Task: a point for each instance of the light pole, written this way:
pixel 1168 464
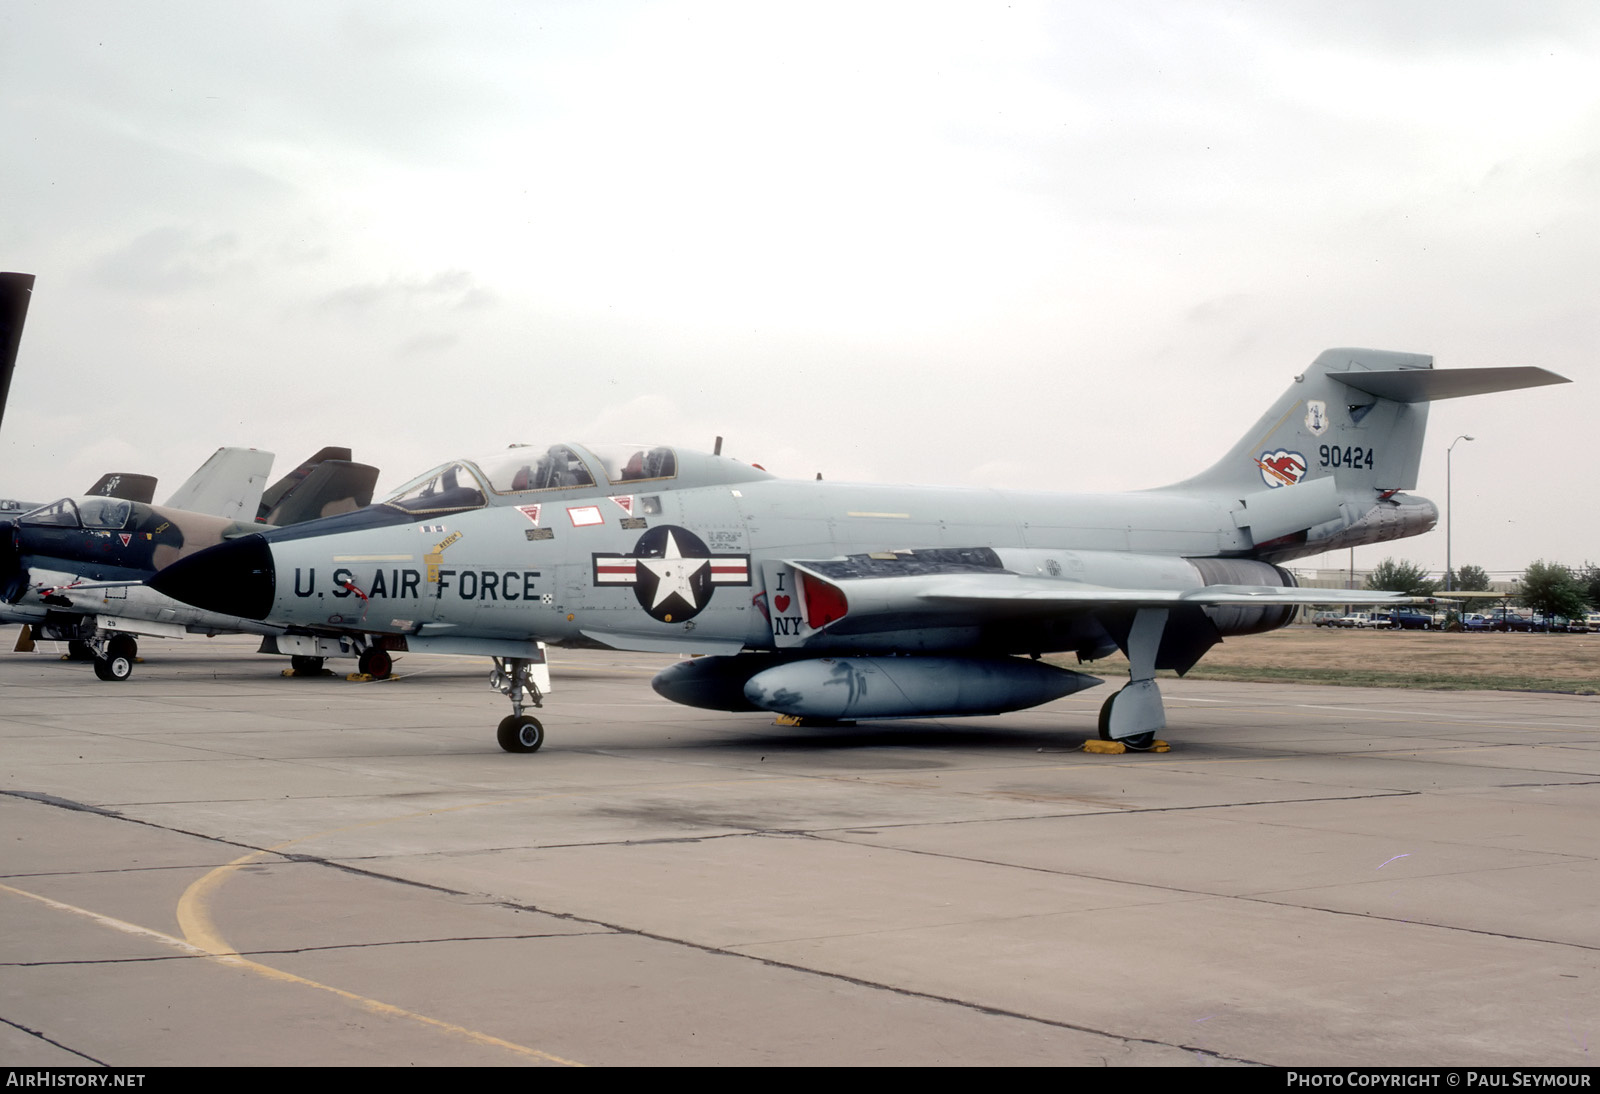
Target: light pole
pixel 1449 512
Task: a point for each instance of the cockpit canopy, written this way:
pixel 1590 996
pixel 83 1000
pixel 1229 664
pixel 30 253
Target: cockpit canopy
pixel 524 469
pixel 103 514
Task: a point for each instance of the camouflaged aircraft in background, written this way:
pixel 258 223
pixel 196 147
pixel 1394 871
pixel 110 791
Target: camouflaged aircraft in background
pixel 838 601
pixel 71 570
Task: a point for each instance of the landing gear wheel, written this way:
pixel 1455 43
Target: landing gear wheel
pixel 113 667
pixel 305 666
pixel 79 650
pixel 1105 717
pixel 122 645
pixel 520 733
pixel 376 663
pixel 1138 742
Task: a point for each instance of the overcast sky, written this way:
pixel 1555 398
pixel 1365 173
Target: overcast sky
pixel 1061 245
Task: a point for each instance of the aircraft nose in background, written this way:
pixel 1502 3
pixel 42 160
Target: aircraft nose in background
pixel 233 578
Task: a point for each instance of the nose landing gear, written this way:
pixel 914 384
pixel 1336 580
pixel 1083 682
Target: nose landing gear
pixel 115 656
pixel 512 677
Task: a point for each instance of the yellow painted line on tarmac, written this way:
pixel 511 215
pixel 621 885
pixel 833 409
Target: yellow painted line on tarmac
pixel 202 936
pixel 200 933
pixel 108 921
pixel 206 942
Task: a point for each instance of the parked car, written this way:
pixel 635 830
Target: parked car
pixel 1411 620
pixel 1325 619
pixel 1510 619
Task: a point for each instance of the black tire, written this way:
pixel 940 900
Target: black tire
pixel 123 645
pixel 520 733
pixel 1139 742
pixel 113 668
pixel 376 663
pixel 1105 716
pixel 305 666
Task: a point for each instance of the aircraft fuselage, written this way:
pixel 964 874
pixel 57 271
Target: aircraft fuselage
pixel 708 568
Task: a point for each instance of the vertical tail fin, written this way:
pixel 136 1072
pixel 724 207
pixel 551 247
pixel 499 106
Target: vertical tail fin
pixel 274 494
pixel 229 484
pixel 331 487
pixel 1357 416
pixel 126 485
pixel 1322 427
pixel 1322 469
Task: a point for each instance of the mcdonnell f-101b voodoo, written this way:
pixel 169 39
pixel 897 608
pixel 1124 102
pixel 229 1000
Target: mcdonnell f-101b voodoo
pixel 835 601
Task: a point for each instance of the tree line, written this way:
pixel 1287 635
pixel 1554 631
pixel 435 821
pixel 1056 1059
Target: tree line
pixel 1547 587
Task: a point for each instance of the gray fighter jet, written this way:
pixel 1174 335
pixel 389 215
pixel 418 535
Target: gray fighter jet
pixel 835 602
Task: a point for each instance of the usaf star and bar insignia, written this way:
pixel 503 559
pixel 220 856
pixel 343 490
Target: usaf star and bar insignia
pixel 672 572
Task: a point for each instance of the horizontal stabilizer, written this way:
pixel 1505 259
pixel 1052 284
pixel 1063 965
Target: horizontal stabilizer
pixel 1411 385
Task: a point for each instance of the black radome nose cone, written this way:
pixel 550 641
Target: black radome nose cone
pixel 233 578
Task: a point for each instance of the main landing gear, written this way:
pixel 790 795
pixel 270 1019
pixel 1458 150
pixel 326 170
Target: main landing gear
pixel 376 663
pixel 518 732
pixel 114 657
pixel 1131 716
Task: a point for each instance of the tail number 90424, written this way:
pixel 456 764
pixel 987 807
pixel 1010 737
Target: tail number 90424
pixel 1334 456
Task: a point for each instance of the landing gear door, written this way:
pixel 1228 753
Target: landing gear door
pixel 785 605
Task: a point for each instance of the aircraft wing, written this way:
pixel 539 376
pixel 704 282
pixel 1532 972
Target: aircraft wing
pixel 975 588
pixel 861 604
pixel 1045 590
